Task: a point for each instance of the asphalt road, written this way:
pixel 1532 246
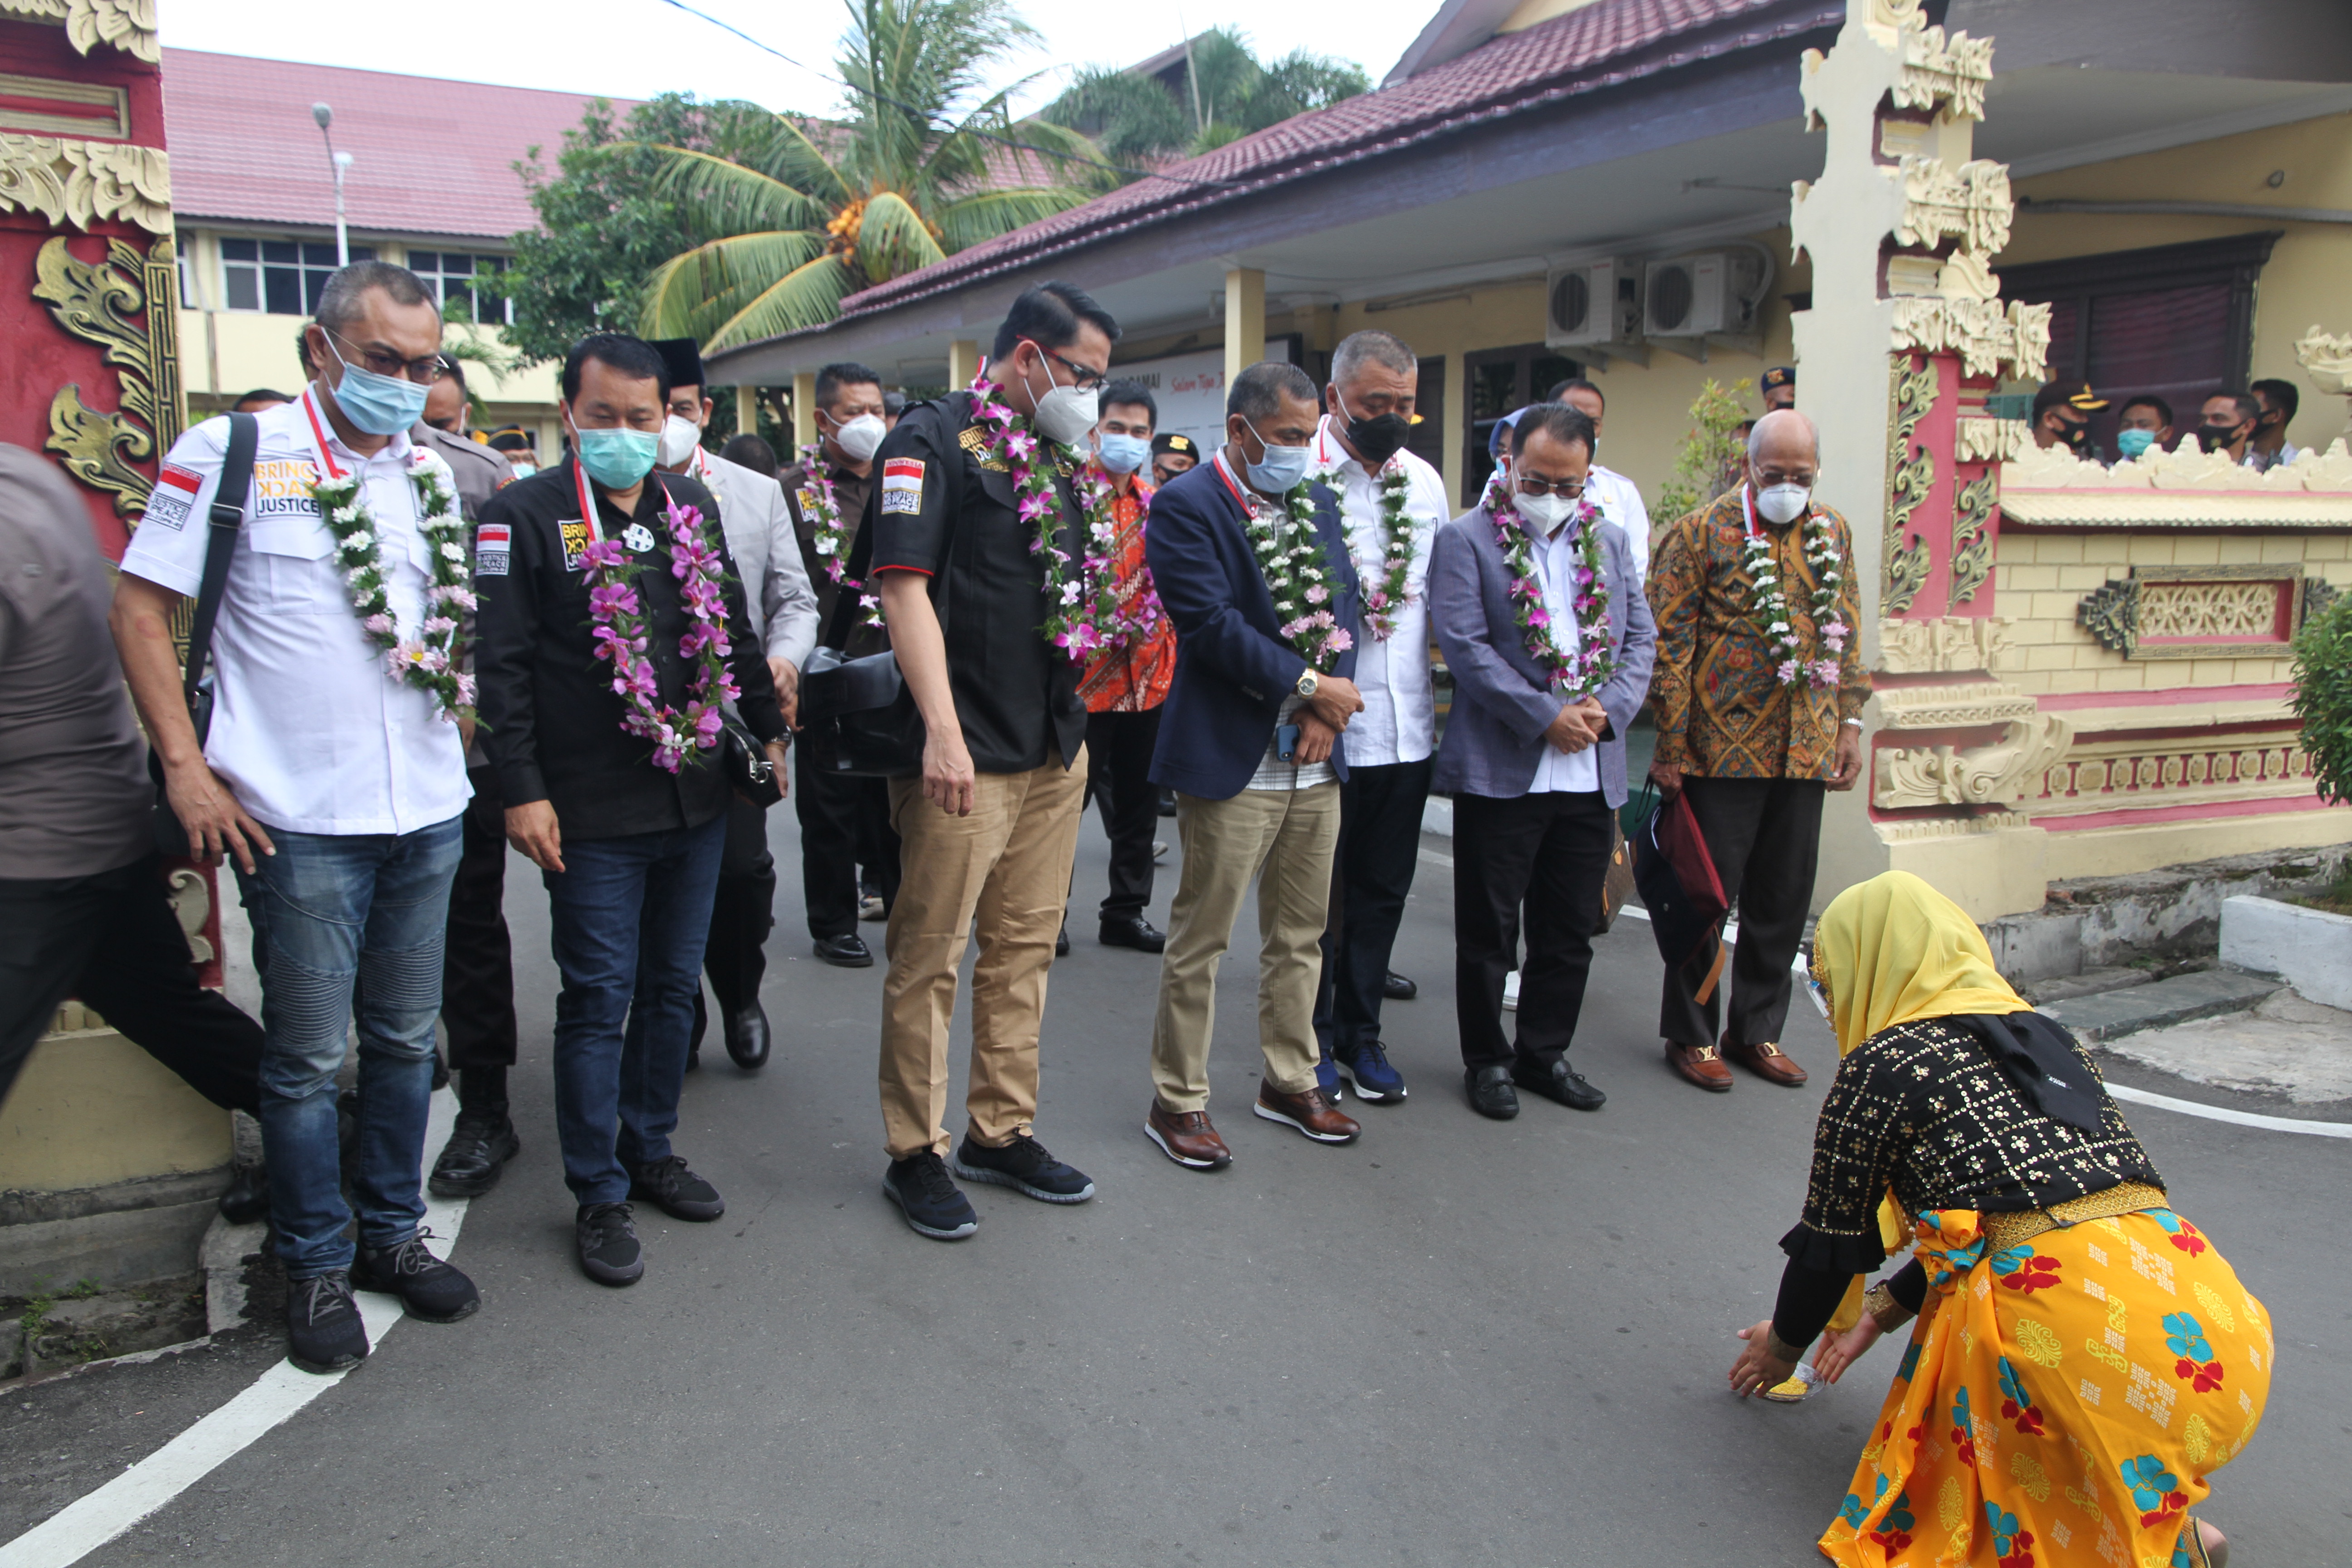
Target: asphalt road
pixel 1457 1342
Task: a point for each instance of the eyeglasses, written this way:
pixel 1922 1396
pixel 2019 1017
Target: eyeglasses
pixel 1082 376
pixel 1567 490
pixel 424 371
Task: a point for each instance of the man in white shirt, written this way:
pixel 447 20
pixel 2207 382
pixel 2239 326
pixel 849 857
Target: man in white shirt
pixel 333 771
pixel 1619 498
pixel 758 530
pixel 1391 504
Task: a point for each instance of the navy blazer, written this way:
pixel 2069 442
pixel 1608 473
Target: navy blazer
pixel 1232 668
pixel 1502 703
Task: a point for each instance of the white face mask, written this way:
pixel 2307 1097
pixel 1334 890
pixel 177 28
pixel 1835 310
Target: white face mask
pixel 860 439
pixel 523 470
pixel 1547 511
pixel 679 437
pixel 1065 414
pixel 1783 503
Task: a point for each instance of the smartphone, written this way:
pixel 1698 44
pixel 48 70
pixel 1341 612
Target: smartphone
pixel 1286 742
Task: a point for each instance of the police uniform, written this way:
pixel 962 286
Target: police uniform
pixel 944 507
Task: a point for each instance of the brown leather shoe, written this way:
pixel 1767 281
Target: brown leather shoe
pixel 1309 1111
pixel 1186 1137
pixel 1702 1065
pixel 1766 1061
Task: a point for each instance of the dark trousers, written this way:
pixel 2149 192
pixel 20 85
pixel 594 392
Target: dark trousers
pixel 843 821
pixel 1548 854
pixel 1765 837
pixel 1372 877
pixel 1119 764
pixel 478 1006
pixel 744 910
pixel 112 941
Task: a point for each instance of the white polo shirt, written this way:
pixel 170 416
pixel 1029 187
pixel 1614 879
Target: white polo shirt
pixel 309 728
pixel 1620 500
pixel 1399 724
pixel 1555 559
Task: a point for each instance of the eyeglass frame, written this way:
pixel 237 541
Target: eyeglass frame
pixel 1085 378
pixel 404 369
pixel 1519 483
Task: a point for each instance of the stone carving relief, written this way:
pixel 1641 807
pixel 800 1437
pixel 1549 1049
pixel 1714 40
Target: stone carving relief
pixel 1971 204
pixel 1972 776
pixel 2245 611
pixel 1953 707
pixel 1912 829
pixel 1972 537
pixel 68 181
pixel 2232 612
pixel 94 301
pixel 191 905
pixel 1984 440
pixel 126 24
pixel 2108 775
pixel 1911 474
pixel 1944 643
pixel 1994 340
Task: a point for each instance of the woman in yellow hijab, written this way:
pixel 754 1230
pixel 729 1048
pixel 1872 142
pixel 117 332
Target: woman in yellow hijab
pixel 2083 1357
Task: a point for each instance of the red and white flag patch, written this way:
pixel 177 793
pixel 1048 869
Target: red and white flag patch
pixel 902 484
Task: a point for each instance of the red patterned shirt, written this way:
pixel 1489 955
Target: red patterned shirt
pixel 1133 679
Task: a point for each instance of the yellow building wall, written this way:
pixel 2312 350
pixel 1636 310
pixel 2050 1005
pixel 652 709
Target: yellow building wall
pixel 91 1109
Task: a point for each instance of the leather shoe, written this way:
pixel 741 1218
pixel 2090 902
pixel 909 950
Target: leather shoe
pixel 1555 1079
pixel 747 1035
pixel 846 952
pixel 1702 1065
pixel 1491 1093
pixel 1135 932
pixel 1398 987
pixel 1310 1111
pixel 1062 942
pixel 1766 1061
pixel 246 1199
pixel 1186 1137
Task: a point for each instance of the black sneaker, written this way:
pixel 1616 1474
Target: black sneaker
pixel 323 1332
pixel 606 1238
pixel 677 1192
pixel 1025 1166
pixel 920 1188
pixel 479 1146
pixel 428 1287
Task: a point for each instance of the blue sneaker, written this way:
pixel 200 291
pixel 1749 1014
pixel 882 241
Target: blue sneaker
pixel 1327 1078
pixel 1367 1067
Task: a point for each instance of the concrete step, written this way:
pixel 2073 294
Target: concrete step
pixel 2090 983
pixel 2206 993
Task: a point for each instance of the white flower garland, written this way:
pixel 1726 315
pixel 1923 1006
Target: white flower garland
pixel 427 660
pixel 1387 594
pixel 1820 543
pixel 1290 558
pixel 830 534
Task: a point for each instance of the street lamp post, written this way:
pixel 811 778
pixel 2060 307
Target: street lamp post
pixel 325 116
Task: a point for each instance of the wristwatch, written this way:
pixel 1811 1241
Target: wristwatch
pixel 1307 683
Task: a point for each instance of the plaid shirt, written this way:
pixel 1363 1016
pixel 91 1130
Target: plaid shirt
pixel 1136 678
pixel 1721 710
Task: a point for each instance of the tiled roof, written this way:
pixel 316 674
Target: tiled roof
pixel 428 156
pixel 1601 45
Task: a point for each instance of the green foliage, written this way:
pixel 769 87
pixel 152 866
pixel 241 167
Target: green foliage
pixel 1227 94
pixel 1710 455
pixel 2322 698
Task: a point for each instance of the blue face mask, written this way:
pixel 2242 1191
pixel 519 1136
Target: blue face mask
pixel 2132 443
pixel 1279 471
pixel 379 405
pixel 617 459
pixel 1124 454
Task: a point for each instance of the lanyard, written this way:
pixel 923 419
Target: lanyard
pixel 1747 505
pixel 587 502
pixel 327 464
pixel 1226 474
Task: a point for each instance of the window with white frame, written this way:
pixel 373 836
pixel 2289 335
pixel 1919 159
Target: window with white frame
pixel 450 274
pixel 280 277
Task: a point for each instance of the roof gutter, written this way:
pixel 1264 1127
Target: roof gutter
pixel 2256 210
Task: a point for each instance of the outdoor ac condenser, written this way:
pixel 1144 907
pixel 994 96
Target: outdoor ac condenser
pixel 1594 304
pixel 1717 292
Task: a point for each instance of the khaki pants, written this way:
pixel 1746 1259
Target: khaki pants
pixel 1007 863
pixel 1289 835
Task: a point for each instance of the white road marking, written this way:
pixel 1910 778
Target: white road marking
pixel 91 1521
pixel 2190 1108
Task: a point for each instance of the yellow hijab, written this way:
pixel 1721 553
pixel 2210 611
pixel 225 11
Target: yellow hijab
pixel 1892 949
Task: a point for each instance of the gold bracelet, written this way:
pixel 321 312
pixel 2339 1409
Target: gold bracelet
pixel 1884 1310
pixel 1779 1349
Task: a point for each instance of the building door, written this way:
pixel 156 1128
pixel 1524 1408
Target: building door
pixel 1494 382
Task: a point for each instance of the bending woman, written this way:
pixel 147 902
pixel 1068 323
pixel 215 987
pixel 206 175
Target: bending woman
pixel 2084 1358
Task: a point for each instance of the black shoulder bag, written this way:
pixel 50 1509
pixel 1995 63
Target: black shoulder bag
pixel 226 516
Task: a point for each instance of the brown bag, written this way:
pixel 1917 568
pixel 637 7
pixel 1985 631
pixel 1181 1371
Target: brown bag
pixel 1617 883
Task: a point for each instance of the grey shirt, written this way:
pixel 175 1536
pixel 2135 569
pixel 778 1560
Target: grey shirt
pixel 480 474
pixel 74 798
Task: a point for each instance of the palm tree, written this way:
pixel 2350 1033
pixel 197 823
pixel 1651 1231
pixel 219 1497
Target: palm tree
pixel 924 163
pixel 1226 95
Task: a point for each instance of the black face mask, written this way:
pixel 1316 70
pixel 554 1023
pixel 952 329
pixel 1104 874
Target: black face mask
pixel 2213 437
pixel 1378 440
pixel 2074 435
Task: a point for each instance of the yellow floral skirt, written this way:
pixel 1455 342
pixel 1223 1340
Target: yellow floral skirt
pixel 2060 1402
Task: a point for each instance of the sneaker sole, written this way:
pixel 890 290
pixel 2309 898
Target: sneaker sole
pixel 920 1228
pixel 328 1368
pixel 696 1214
pixel 604 1273
pixel 865 962
pixel 1303 1131
pixel 1153 1133
pixel 1369 1096
pixel 987 1177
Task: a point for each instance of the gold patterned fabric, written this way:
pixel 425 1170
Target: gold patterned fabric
pixel 1721 711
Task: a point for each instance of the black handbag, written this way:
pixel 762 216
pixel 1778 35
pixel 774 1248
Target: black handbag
pixel 859 717
pixel 227 515
pixel 743 762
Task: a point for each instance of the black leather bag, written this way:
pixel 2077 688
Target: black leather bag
pixel 858 718
pixel 743 762
pixel 227 515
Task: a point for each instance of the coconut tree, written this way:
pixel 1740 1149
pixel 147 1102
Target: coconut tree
pixel 924 162
pixel 1225 95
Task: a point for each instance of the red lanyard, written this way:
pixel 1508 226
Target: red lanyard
pixel 319 435
pixel 1226 474
pixel 587 502
pixel 1748 504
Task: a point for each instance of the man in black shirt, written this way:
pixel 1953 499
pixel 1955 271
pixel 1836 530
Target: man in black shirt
pixel 990 826
pixel 626 833
pixel 843 821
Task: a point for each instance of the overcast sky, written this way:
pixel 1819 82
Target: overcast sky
pixel 636 48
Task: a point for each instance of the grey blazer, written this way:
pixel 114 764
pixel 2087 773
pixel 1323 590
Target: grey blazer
pixel 1494 737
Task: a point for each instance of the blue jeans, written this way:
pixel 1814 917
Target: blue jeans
pixel 345 913
pixel 630 918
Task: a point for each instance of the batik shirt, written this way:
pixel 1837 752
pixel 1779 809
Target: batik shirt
pixel 1133 679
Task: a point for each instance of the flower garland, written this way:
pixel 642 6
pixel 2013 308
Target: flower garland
pixel 1082 616
pixel 1819 543
pixel 1290 559
pixel 618 614
pixel 428 660
pixel 1578 675
pixel 1139 619
pixel 1387 599
pixel 831 538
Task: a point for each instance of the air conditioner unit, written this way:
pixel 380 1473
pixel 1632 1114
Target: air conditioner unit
pixel 1596 304
pixel 1717 292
